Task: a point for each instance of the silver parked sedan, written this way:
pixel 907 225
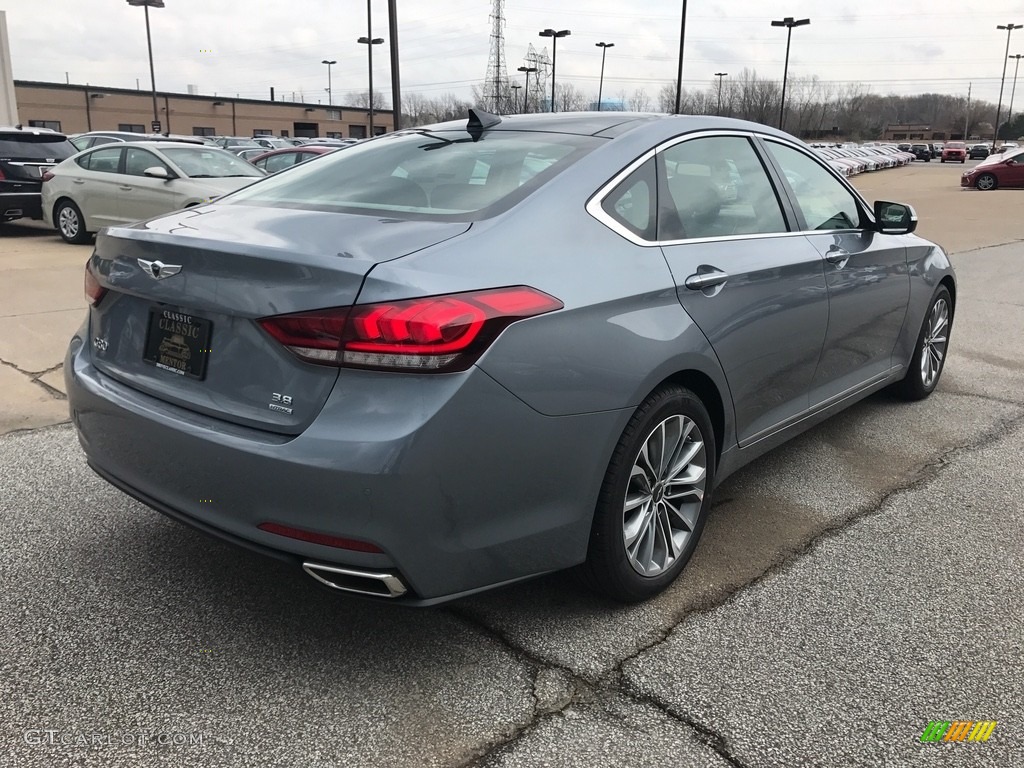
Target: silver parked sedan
pixel 125 182
pixel 456 357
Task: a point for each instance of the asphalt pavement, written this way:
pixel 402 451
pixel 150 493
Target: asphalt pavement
pixel 852 586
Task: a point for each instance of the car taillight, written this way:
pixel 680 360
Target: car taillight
pixel 2 177
pixel 93 290
pixel 47 175
pixel 433 334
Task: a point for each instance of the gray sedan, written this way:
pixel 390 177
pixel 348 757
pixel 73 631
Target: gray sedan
pixel 460 356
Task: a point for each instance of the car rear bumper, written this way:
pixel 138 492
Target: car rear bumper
pixel 18 205
pixel 460 483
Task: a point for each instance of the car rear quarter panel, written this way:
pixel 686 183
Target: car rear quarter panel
pixel 622 330
pixel 928 265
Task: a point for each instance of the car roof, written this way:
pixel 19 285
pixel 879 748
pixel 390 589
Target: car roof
pixel 315 148
pixel 610 124
pixel 145 136
pixel 159 145
pixel 17 130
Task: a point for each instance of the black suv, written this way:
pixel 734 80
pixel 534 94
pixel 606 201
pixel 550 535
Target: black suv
pixel 25 154
pixel 922 152
pixel 978 152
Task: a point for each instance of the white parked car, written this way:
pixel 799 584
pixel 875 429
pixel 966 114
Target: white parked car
pixel 121 183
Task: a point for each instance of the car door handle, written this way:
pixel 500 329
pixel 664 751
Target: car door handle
pixel 702 280
pixel 836 255
pixel 78 181
pixel 125 188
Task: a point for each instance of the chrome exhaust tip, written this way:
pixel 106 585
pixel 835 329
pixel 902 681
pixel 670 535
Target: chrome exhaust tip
pixel 360 582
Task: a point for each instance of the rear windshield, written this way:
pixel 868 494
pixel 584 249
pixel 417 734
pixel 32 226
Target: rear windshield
pixel 32 147
pixel 443 174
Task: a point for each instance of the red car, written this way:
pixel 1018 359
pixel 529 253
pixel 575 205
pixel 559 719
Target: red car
pixel 278 159
pixel 954 150
pixel 996 171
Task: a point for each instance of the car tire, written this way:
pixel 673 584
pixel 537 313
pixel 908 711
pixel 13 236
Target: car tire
pixel 70 223
pixel 985 182
pixel 963 161
pixel 942 160
pixel 630 557
pixel 931 349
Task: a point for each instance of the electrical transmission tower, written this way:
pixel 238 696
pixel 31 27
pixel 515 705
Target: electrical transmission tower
pixel 537 91
pixel 496 86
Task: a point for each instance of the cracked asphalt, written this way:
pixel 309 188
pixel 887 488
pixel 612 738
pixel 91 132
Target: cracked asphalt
pixel 850 587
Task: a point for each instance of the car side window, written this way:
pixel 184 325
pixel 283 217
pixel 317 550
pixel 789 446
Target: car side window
pixel 632 202
pixel 105 160
pixel 715 187
pixel 276 163
pixel 137 160
pixel 825 203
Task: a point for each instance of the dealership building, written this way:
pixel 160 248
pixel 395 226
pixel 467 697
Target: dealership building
pixel 71 108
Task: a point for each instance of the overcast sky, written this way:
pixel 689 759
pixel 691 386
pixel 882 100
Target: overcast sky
pixel 223 47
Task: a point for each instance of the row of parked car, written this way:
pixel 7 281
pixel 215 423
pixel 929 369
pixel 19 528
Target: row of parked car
pixel 850 160
pixel 955 151
pixel 82 183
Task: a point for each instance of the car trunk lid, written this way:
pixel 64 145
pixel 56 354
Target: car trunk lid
pixel 184 291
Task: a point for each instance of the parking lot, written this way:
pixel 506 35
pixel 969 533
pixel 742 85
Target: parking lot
pixel 852 586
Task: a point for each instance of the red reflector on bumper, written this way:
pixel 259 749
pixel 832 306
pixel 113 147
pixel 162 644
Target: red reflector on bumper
pixel 320 538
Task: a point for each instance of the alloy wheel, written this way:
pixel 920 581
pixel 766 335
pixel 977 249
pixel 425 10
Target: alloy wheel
pixel 935 342
pixel 664 495
pixel 68 222
pixel 986 181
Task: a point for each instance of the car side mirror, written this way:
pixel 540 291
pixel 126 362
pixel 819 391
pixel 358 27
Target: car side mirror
pixel 1011 161
pixel 157 172
pixel 894 218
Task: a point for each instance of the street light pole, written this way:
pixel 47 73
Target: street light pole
pixel 369 41
pixel 330 92
pixel 999 107
pixel 720 75
pixel 600 88
pixel 396 86
pixel 679 75
pixel 1013 90
pixel 146 5
pixel 515 95
pixel 526 90
pixel 554 54
pixel 789 22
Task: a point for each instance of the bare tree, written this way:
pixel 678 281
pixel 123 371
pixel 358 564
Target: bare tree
pixel 814 108
pixel 640 101
pixel 569 98
pixel 361 99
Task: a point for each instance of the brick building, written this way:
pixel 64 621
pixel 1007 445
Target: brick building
pixel 77 108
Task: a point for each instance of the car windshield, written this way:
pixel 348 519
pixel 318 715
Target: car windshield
pixel 36 147
pixel 206 162
pixel 955 145
pixel 423 174
pixel 242 143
